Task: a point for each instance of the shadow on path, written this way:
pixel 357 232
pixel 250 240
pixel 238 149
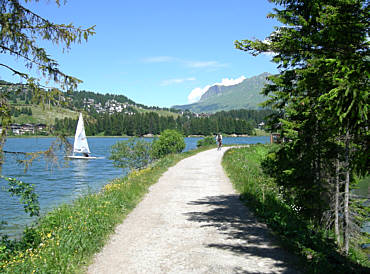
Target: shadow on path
pixel 245 236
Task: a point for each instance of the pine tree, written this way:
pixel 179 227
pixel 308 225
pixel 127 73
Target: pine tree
pixel 321 97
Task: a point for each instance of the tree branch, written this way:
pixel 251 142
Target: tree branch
pixel 24 75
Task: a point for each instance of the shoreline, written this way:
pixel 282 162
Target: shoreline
pixel 125 136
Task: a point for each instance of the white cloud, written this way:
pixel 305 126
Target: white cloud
pixel 196 93
pixel 176 81
pixel 203 64
pixel 187 63
pixel 230 82
pixel 159 59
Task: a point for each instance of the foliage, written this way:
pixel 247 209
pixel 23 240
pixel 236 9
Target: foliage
pixel 321 97
pixel 313 245
pixel 66 239
pixel 206 141
pixel 170 141
pixel 26 194
pixel 132 154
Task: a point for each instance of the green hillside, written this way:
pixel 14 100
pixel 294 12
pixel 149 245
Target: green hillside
pixel 91 103
pixel 44 115
pixel 245 95
pixel 160 112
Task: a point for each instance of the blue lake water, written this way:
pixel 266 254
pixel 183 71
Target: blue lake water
pixel 67 180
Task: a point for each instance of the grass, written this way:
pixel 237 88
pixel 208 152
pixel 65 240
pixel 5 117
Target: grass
pixel 65 239
pixel 314 246
pixel 165 113
pixel 44 115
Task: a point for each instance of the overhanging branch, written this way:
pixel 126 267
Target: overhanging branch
pixel 24 75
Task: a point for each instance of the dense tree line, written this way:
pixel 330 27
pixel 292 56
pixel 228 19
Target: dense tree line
pixel 139 124
pixel 254 116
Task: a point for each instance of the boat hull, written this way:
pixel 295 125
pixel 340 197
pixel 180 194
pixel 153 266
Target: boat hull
pixel 83 157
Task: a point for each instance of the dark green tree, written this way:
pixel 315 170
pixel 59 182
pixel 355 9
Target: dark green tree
pixel 321 99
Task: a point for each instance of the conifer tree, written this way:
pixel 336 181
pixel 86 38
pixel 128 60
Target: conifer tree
pixel 321 96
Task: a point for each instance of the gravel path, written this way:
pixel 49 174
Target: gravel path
pixel 192 221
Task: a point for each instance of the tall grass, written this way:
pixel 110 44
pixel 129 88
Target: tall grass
pixel 65 240
pixel 313 245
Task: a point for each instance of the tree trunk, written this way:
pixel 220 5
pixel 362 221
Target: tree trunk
pixel 346 197
pixel 336 209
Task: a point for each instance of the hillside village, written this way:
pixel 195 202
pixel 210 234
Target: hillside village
pixel 20 91
pixel 111 106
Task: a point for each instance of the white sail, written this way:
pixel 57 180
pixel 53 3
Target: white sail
pixel 80 144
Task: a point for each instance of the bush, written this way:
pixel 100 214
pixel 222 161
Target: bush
pixel 132 154
pixel 169 142
pixel 206 141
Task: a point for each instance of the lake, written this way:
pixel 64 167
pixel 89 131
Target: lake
pixel 67 180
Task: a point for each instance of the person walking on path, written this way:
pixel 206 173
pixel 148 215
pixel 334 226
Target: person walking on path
pixel 219 141
pixel 192 221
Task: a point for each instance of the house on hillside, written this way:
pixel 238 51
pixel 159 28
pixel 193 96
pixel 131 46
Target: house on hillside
pixel 18 129
pixel 15 129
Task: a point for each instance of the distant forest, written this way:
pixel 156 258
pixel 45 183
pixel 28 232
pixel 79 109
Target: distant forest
pixel 133 122
pixel 139 124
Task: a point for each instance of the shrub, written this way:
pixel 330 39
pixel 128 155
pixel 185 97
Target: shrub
pixel 132 154
pixel 206 141
pixel 169 142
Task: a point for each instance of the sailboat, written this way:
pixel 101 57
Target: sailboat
pixel 80 144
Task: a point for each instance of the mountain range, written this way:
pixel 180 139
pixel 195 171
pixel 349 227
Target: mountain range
pixel 245 95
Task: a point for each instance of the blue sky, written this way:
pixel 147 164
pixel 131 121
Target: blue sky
pixel 158 52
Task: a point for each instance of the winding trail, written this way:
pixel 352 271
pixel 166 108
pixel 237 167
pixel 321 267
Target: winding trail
pixel 192 221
